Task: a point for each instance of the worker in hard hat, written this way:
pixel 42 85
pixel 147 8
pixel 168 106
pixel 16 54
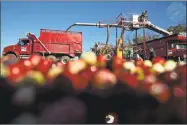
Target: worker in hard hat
pixel 143 16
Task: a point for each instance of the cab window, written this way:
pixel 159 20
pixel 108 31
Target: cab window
pixel 23 42
pixel 171 46
pixel 181 46
pixel 172 43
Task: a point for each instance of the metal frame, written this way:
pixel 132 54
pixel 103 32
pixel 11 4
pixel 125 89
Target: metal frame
pixel 126 25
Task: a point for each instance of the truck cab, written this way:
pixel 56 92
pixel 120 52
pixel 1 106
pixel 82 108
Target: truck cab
pixel 25 46
pixel 22 49
pixel 169 47
pixel 52 44
pixel 177 48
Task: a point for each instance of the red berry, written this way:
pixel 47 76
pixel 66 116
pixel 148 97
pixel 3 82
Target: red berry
pixel 75 67
pixel 160 91
pixel 80 82
pixel 60 64
pixel 172 78
pixel 117 63
pixel 147 82
pixel 44 66
pixel 139 63
pixel 129 79
pixel 27 64
pixel 132 81
pixel 159 60
pixel 103 79
pixel 17 72
pixel 89 57
pixel 101 61
pixel 35 59
pixel 179 92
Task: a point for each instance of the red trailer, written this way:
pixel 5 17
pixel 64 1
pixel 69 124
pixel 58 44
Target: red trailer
pixel 169 47
pixel 54 44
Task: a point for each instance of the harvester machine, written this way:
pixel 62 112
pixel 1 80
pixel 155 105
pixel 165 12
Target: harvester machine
pixel 135 23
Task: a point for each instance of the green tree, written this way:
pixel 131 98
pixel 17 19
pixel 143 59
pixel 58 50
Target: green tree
pixel 103 48
pixel 177 29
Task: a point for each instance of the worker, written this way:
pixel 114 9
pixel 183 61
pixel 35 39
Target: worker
pixel 96 47
pixel 137 57
pixel 119 49
pixel 152 54
pixel 143 16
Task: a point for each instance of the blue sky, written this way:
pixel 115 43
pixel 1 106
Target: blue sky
pixel 17 18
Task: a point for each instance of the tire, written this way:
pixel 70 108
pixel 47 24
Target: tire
pixel 51 57
pixel 11 56
pixel 64 59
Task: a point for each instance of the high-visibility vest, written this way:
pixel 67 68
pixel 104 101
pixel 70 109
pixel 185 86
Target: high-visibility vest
pixel 119 50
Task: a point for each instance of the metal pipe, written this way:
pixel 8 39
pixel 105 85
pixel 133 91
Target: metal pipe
pixel 70 27
pixel 97 25
pixel 123 30
pixel 122 37
pixel 147 25
pixel 136 37
pixel 84 24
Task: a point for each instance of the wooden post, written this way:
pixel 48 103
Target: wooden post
pixel 122 36
pixel 144 41
pixel 116 36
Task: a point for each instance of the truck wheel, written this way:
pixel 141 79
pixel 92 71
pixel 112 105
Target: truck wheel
pixel 65 59
pixel 11 56
pixel 51 57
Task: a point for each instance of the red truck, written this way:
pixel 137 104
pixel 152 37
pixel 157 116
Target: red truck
pixel 55 44
pixel 169 47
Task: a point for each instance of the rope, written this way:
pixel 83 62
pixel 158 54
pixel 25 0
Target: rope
pixel 107 20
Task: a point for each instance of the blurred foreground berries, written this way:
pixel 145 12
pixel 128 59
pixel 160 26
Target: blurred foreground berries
pixel 92 90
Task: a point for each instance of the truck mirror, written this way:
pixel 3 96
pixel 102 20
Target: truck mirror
pixel 19 42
